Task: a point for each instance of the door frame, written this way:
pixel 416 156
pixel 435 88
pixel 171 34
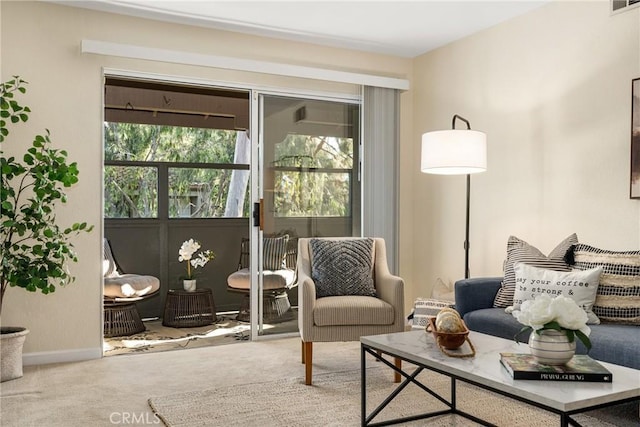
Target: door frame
pixel 256 100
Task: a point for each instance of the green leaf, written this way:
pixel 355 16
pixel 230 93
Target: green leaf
pixel 520 332
pixel 584 338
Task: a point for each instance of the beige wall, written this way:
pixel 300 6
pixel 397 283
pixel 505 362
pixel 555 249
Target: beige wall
pixel 552 90
pixel 41 43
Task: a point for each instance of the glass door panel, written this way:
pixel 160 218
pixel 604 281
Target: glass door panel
pixel 310 186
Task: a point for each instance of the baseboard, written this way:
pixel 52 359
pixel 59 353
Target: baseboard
pixel 61 356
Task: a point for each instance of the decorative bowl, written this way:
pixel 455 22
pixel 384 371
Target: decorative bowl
pixel 448 340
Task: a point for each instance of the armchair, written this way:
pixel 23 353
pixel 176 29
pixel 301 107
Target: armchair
pixel 121 292
pixel 346 317
pixel 280 255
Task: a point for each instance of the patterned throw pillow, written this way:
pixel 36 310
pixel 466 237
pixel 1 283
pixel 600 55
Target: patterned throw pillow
pixel 342 267
pixel 618 297
pixel 580 286
pixel 521 251
pixel 274 252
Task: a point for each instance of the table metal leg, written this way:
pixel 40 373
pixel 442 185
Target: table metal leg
pixel 363 386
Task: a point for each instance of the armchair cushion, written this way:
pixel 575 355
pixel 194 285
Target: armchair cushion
pixel 352 310
pixel 130 286
pixel 272 280
pixel 342 267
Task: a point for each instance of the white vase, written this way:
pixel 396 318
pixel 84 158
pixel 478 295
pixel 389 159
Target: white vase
pixel 551 347
pixel 189 285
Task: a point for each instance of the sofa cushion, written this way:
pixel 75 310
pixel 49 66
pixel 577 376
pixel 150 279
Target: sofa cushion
pixel 342 267
pixel 618 296
pixel 352 310
pixel 520 251
pixel 580 286
pixel 494 321
pixel 614 343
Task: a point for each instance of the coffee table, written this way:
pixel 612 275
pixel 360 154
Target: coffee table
pixel 485 371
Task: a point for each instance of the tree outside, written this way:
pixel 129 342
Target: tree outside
pixel 313 173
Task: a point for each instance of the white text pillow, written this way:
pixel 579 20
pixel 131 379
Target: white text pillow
pixel 580 286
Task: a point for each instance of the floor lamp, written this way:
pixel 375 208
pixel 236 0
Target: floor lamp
pixel 456 152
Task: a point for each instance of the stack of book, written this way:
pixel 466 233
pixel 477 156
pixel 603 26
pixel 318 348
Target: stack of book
pixel 579 368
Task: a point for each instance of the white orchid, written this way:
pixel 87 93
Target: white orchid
pixel 186 252
pixel 560 313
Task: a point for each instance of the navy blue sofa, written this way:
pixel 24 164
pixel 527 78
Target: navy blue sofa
pixel 613 343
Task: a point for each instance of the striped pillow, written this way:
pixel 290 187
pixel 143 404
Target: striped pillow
pixel 274 252
pixel 618 296
pixel 521 251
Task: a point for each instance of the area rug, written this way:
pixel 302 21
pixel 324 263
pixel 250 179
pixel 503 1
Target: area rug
pixel 334 400
pixel 161 338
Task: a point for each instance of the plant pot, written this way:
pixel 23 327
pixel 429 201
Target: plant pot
pixel 11 342
pixel 551 347
pixel 189 285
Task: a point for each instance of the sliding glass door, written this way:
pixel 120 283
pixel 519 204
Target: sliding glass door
pixel 308 183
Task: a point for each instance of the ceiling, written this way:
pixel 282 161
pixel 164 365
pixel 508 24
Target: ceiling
pixel 399 28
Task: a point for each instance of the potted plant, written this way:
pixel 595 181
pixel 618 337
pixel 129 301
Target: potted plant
pixel 186 253
pixel 560 320
pixel 34 249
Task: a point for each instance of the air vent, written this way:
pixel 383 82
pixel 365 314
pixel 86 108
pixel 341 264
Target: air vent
pixel 623 5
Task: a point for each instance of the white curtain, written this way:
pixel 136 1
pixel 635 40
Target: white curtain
pixel 381 112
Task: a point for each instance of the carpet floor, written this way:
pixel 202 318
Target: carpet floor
pixel 115 390
pixel 334 400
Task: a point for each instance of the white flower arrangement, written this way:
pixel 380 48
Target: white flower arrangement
pixel 560 313
pixel 186 253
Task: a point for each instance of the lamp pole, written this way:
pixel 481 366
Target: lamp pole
pixel 466 238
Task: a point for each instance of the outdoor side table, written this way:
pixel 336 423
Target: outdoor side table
pixel 185 309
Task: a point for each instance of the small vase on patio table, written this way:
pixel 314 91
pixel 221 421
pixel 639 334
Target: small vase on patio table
pixel 189 285
pixel 551 347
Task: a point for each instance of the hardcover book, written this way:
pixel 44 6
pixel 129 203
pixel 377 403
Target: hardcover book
pixel 579 368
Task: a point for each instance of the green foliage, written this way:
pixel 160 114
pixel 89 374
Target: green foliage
pixel 34 248
pixel 312 173
pixel 132 191
pixel 314 177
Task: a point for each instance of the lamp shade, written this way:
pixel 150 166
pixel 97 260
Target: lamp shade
pixel 454 152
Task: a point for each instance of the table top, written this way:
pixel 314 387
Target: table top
pixel 178 291
pixel 485 368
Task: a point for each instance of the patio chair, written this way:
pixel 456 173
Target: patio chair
pixel 279 276
pixel 346 291
pixel 121 293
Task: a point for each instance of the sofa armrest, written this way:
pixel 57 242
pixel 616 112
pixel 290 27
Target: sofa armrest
pixel 476 293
